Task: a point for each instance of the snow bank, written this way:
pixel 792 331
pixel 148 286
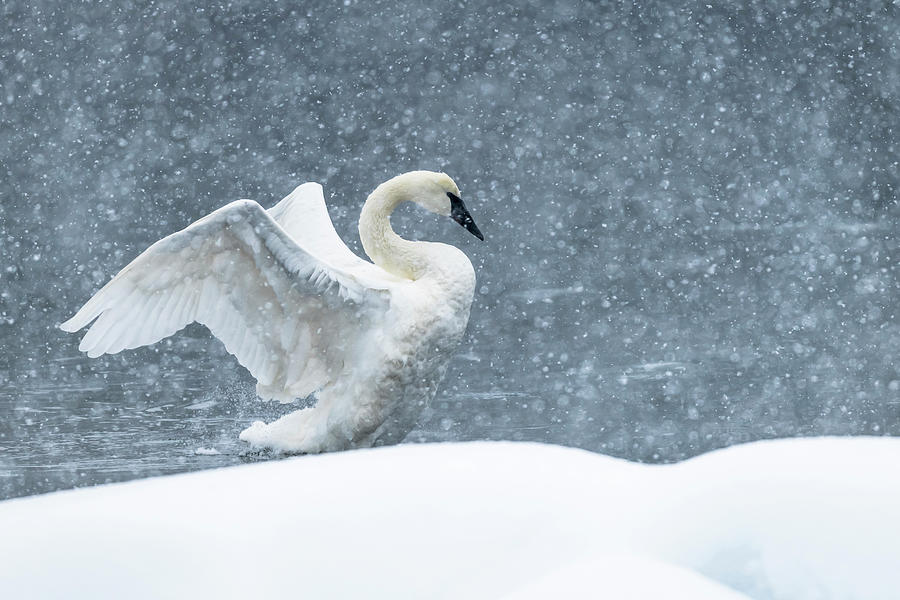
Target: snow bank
pixel 813 518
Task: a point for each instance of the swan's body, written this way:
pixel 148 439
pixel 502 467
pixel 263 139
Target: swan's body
pixel 302 312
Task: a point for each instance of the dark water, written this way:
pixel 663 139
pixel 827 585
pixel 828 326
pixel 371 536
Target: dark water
pixel 691 212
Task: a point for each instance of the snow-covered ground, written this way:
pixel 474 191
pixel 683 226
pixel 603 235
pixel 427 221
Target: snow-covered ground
pixel 805 518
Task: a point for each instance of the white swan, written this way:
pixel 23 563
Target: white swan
pixel 302 312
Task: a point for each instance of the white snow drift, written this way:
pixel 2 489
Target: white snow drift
pixel 815 518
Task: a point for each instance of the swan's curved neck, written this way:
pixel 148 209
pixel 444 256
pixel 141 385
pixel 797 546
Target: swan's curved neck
pixel 388 250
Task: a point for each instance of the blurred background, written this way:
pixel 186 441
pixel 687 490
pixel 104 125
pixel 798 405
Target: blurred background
pixel 691 212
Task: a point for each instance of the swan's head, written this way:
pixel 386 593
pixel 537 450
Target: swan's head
pixel 437 193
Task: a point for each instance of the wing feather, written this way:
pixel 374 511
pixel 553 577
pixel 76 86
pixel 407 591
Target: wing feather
pixel 304 216
pixel 284 301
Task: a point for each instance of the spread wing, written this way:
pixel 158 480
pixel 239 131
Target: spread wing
pixel 292 312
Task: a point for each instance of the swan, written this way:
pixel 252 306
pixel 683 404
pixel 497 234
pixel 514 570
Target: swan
pixel 303 313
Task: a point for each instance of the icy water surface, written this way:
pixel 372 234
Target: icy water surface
pixel 100 425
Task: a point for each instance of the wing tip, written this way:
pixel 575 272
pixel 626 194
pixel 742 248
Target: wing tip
pixel 69 326
pixel 87 313
pixel 312 185
pixel 77 322
pixel 309 191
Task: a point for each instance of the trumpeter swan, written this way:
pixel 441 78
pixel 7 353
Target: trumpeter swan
pixel 303 313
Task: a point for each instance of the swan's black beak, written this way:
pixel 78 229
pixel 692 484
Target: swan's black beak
pixel 460 214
